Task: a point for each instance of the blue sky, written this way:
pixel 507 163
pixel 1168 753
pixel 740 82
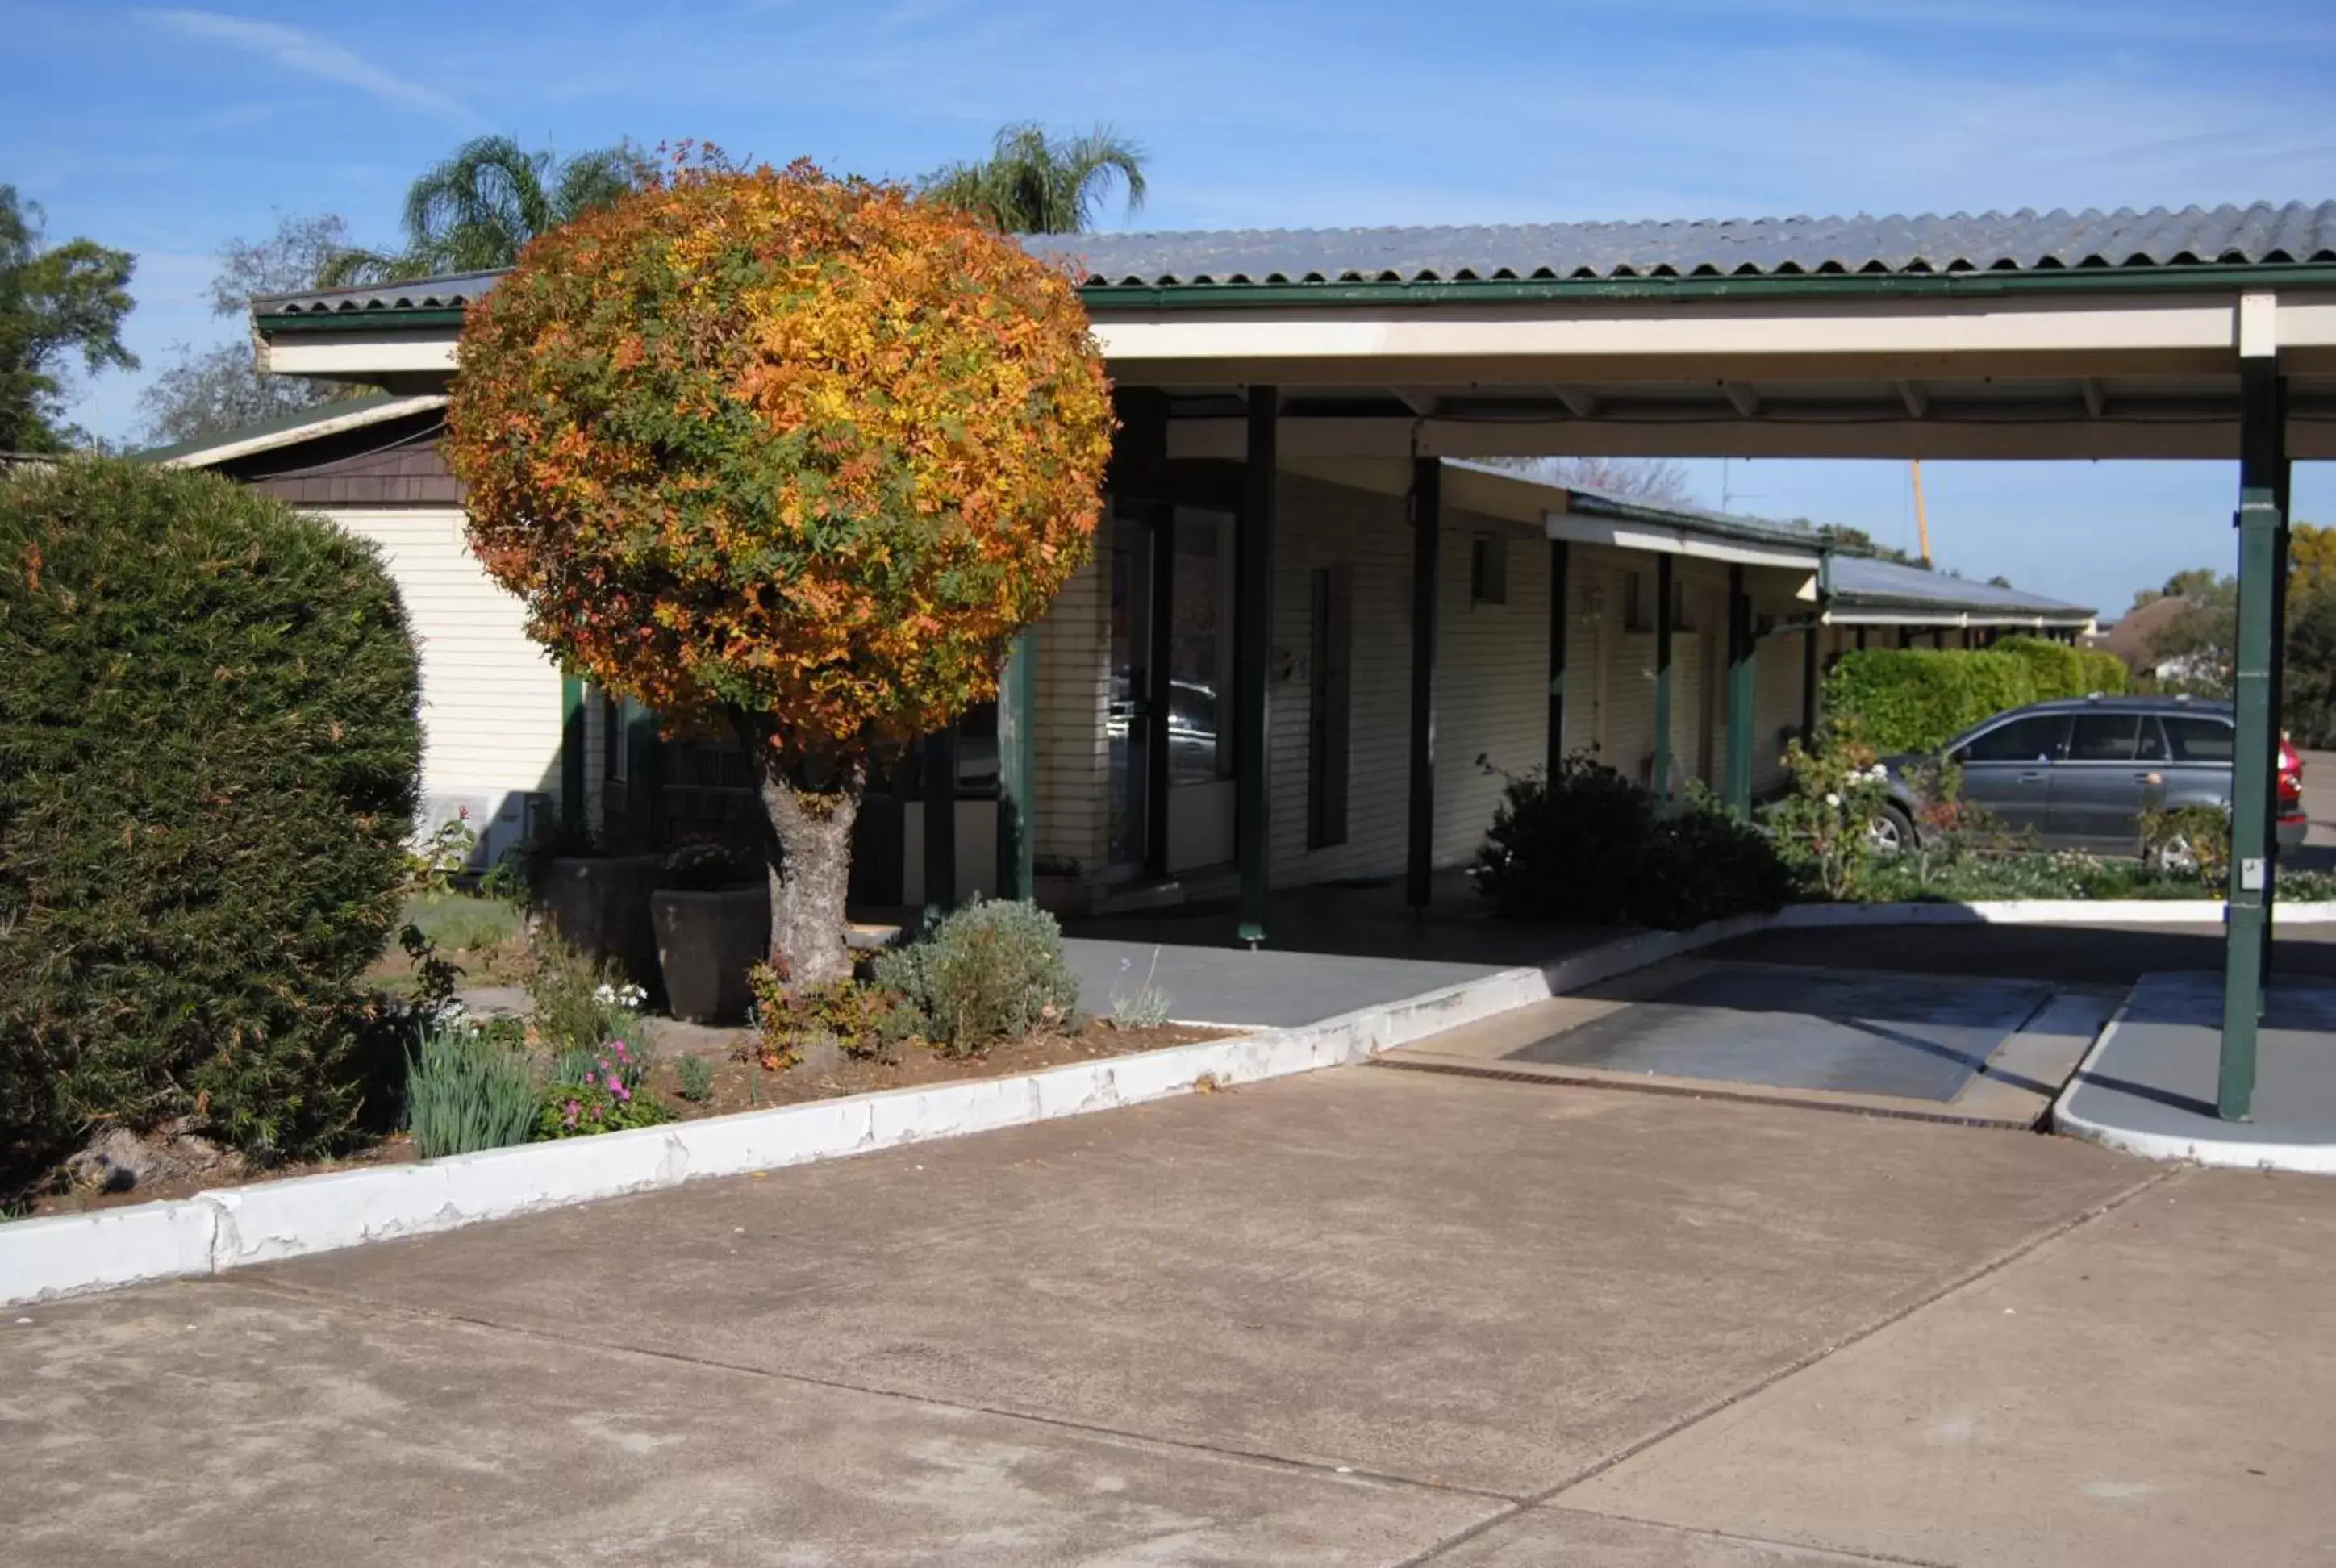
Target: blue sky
pixel 167 130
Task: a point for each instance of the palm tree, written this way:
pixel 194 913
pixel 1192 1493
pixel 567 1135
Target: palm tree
pixel 473 211
pixel 1030 184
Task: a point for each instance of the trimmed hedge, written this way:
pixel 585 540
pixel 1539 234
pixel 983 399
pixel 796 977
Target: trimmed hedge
pixel 1917 699
pixel 209 756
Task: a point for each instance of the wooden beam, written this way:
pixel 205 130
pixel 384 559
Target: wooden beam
pixel 2096 399
pixel 1916 399
pixel 1746 400
pixel 1427 557
pixel 1580 404
pixel 1254 661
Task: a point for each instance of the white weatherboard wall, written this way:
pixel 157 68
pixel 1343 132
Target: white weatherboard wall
pixel 491 698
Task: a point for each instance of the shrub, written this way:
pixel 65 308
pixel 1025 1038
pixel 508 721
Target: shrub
pixel 208 746
pixel 705 868
pixel 1707 864
pixel 1825 822
pixel 693 1079
pixel 579 1005
pixel 1917 699
pixel 468 1089
pixel 2103 672
pixel 2190 841
pixel 1566 846
pixel 2055 670
pixel 600 1093
pixel 1592 847
pixel 866 1022
pixel 992 971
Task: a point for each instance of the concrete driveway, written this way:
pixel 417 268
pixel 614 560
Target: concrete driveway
pixel 1360 1316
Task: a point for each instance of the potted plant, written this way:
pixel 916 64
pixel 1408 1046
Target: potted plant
pixel 597 902
pixel 713 922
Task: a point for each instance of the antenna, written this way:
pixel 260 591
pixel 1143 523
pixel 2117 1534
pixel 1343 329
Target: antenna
pixel 1922 519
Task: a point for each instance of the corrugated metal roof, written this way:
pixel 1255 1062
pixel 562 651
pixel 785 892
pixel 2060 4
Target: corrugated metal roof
pixel 1755 247
pixel 2257 234
pixel 1861 581
pixel 451 292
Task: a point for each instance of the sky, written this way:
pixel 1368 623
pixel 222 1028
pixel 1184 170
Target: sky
pixel 166 131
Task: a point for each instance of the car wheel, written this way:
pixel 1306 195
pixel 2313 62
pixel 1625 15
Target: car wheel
pixel 1891 834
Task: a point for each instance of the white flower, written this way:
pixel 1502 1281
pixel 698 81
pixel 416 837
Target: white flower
pixel 1832 799
pixel 607 993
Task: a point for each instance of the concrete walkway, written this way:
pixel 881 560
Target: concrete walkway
pixel 1361 1317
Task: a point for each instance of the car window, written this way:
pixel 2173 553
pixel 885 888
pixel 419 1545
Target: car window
pixel 2196 738
pixel 2152 741
pixel 2036 738
pixel 2104 737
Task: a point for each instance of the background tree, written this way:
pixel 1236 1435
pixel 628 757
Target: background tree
pixel 473 211
pixel 790 455
pixel 1653 481
pixel 56 302
pixel 205 391
pixel 1033 184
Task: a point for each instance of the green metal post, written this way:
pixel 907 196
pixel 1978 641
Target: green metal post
pixel 645 782
pixel 2260 456
pixel 2281 473
pixel 1018 768
pixel 1426 554
pixel 1663 779
pixel 1253 659
pixel 571 752
pixel 1742 695
pixel 1557 592
pixel 939 809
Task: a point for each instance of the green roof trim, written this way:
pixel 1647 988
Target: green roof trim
pixel 317 413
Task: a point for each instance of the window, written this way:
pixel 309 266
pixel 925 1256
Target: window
pixel 2105 737
pixel 1680 621
pixel 2195 737
pixel 1637 614
pixel 1488 569
pixel 2153 741
pixel 2034 739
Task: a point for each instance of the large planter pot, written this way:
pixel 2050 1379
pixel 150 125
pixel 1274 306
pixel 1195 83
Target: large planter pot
pixel 705 942
pixel 601 908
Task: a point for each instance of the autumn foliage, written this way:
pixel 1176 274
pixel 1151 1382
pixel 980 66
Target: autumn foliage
pixel 791 454
pixel 782 445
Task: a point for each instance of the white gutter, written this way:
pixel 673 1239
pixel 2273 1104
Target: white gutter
pixel 1580 528
pixel 356 419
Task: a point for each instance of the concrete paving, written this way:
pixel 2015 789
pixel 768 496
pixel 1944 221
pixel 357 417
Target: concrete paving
pixel 2103 955
pixel 1358 1317
pixel 2152 1389
pixel 2159 1073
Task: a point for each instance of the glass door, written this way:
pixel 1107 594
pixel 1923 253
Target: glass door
pixel 1128 723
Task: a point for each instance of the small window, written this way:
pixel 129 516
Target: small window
pixel 2105 737
pixel 2196 738
pixel 1488 569
pixel 2033 739
pixel 1638 614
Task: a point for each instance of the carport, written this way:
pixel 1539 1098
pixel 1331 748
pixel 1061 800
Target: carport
pixel 2157 335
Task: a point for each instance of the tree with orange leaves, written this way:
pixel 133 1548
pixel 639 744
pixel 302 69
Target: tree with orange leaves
pixel 790 454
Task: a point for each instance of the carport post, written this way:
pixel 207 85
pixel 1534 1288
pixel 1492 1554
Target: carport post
pixel 1426 551
pixel 1742 684
pixel 1018 769
pixel 2262 457
pixel 1662 780
pixel 1555 748
pixel 1253 661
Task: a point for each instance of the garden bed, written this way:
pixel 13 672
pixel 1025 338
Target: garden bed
pixel 737 1085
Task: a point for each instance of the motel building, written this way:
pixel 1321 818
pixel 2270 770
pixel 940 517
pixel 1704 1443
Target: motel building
pixel 1312 611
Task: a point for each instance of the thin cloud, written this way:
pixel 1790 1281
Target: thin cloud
pixel 311 55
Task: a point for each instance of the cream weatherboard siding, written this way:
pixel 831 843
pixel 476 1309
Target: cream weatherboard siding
pixel 491 698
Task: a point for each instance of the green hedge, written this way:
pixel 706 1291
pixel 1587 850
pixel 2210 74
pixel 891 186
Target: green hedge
pixel 209 750
pixel 1916 700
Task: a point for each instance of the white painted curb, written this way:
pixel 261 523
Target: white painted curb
pixel 2037 912
pixel 67 1254
pixel 2225 1153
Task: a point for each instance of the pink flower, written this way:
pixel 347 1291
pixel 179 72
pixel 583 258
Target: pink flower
pixel 619 1090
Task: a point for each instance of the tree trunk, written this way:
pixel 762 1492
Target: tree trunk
pixel 808 852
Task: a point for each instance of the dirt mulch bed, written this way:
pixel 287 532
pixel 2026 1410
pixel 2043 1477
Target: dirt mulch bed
pixel 737 1086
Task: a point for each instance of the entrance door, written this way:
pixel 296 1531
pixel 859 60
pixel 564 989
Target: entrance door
pixel 1128 721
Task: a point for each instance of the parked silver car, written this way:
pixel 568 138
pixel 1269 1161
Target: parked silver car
pixel 2080 773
